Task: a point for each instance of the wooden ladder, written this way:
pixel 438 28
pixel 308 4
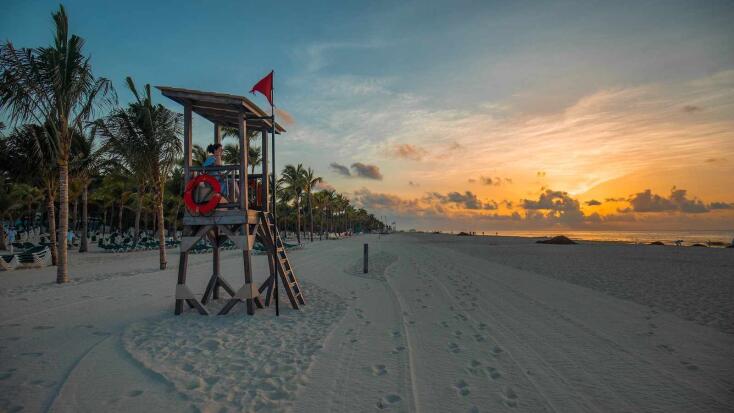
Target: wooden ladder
pixel 272 241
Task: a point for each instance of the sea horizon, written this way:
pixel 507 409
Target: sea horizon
pixel 688 237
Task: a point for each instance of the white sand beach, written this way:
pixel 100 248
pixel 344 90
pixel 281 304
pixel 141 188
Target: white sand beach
pixel 440 323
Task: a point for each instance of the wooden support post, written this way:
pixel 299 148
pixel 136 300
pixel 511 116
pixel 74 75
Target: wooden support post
pixel 246 257
pixel 265 181
pixel 244 149
pixel 182 263
pixel 216 265
pixel 187 141
pixel 366 258
pixel 217 133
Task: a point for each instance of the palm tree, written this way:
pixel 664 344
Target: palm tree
pixel 53 85
pixel 8 202
pixel 293 181
pixel 28 196
pixel 31 155
pixel 154 133
pixel 231 153
pixel 310 180
pixel 198 155
pixel 86 164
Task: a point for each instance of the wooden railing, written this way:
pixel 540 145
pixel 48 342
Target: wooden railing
pixel 229 179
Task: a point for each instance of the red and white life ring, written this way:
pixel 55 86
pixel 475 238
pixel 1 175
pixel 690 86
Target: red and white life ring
pixel 207 206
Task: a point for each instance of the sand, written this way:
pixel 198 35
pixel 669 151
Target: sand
pixel 440 323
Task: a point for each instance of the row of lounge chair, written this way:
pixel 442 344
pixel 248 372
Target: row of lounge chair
pixel 129 245
pixel 35 256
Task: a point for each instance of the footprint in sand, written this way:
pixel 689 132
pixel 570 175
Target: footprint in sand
pixel 479 338
pixel 134 393
pixel 510 397
pixel 388 400
pixel 666 347
pixel 689 366
pixel 31 354
pixel 462 387
pixel 398 349
pixel 379 370
pixel 454 348
pixel 43 327
pixel 493 373
pixel 496 350
pixel 396 334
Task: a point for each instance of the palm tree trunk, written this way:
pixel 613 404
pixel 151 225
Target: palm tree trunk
pixel 161 224
pixel 62 272
pixel 298 219
pixel 74 221
pixel 310 213
pixel 51 211
pixel 2 235
pixel 138 211
pixel 83 247
pixel 119 216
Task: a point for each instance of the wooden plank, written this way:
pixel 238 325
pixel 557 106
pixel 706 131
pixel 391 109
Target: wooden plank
pixel 246 257
pixel 244 150
pixel 215 220
pixel 182 264
pixel 217 133
pixel 200 97
pixel 265 178
pixel 187 142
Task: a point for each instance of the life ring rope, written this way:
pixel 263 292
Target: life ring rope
pixel 208 206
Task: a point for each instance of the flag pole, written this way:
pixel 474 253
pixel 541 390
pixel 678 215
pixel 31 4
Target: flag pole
pixel 275 187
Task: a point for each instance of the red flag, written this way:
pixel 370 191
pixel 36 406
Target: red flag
pixel 265 86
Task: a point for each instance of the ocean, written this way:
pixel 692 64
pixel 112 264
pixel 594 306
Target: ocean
pixel 631 237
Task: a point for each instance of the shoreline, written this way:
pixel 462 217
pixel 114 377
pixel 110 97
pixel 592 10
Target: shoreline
pixel 715 242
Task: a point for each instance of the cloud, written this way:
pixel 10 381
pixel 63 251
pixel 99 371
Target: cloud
pixel 486 180
pixel 691 108
pixel 472 180
pixel 466 200
pixel 721 205
pixel 340 169
pixel 385 202
pixel 366 171
pixel 540 174
pixel 556 205
pixel 413 184
pixel 615 199
pixel 646 201
pixel 284 117
pixel 408 151
pixel 712 160
pixel 508 180
pixel 323 185
pixel 593 202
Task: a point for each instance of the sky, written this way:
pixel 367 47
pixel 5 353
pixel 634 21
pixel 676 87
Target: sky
pixel 457 115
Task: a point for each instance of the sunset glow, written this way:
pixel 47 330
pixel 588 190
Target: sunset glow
pixel 464 122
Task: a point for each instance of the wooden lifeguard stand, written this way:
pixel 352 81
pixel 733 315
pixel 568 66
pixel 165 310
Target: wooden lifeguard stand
pixel 245 217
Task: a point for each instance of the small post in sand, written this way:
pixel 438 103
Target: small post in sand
pixel 366 255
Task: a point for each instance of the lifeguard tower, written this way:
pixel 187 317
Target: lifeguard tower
pixel 244 217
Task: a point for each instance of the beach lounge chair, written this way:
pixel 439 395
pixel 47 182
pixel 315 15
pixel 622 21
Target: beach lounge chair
pixel 8 262
pixel 34 258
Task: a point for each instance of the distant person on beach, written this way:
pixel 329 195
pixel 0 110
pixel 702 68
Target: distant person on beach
pixel 11 237
pixel 70 238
